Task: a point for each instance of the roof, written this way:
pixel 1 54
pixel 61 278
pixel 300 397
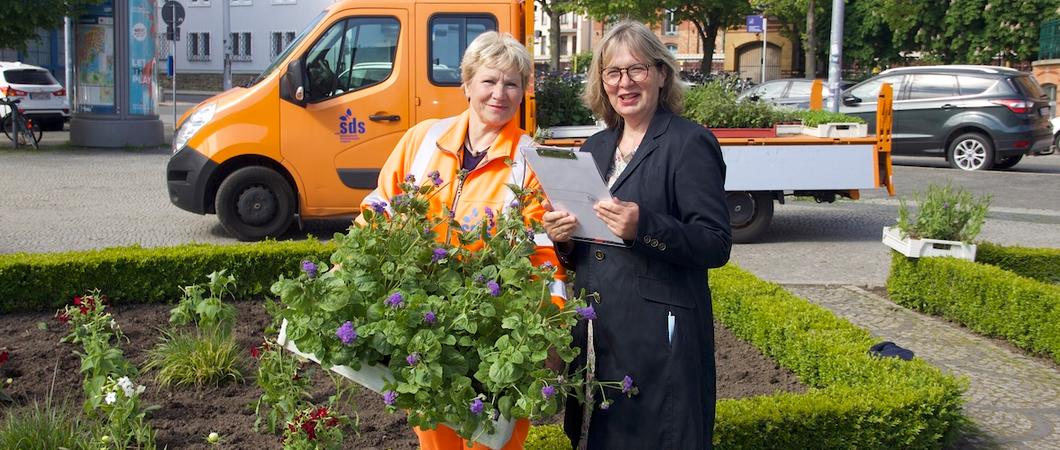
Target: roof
pixel 954 68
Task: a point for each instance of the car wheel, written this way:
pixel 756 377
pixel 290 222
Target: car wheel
pixel 749 214
pixel 1006 163
pixel 254 203
pixel 971 151
pixel 1056 141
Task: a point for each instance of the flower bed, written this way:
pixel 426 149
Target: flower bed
pixel 985 298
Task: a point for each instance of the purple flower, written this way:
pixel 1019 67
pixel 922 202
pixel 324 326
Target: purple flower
pixel 395 300
pixel 547 265
pixel 309 268
pixel 627 384
pixel 413 358
pixel 548 391
pixel 489 216
pixel 429 318
pixel 346 333
pixel 378 207
pixel 515 203
pixel 945 205
pixel 435 177
pixel 397 200
pixel 439 255
pixel 477 406
pixel 494 288
pixel 390 397
pixel 587 313
pixel 410 178
pixel 480 279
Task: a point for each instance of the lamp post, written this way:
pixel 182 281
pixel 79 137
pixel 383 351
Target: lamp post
pixel 835 53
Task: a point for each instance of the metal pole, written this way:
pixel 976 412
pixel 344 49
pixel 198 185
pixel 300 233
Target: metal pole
pixel 765 31
pixel 835 54
pixel 173 55
pixel 68 66
pixel 226 34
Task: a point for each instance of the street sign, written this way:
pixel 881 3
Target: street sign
pixel 172 34
pixel 754 24
pixel 169 65
pixel 173 13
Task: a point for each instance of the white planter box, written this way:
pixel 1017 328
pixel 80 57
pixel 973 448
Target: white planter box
pixel 375 376
pixel 837 130
pixel 924 248
pixel 787 129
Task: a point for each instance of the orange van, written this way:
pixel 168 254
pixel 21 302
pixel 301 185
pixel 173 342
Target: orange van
pixel 306 139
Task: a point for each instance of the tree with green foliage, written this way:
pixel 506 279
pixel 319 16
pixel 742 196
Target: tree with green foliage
pixel 23 18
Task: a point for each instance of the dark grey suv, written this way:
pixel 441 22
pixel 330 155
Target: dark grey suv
pixel 977 117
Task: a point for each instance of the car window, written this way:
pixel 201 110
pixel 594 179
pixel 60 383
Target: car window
pixel 800 88
pixel 30 76
pixel 870 89
pixel 1029 86
pixel 352 54
pixel 769 91
pixel 974 85
pixel 931 85
pixel 450 35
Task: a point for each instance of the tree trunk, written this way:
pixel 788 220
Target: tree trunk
pixel 553 37
pixel 811 43
pixel 708 33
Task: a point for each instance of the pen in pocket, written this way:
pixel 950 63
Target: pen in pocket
pixel 671 323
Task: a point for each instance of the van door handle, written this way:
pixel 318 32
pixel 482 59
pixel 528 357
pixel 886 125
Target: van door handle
pixel 384 117
pixel 949 106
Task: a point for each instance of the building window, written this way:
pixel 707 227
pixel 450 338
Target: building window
pixel 198 2
pixel 279 42
pixel 669 24
pixel 284 2
pixel 241 2
pixel 241 46
pixel 198 46
pixel 565 19
pixel 672 48
pixel 564 45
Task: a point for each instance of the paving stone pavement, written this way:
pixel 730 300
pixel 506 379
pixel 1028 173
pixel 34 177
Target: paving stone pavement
pixel 1013 399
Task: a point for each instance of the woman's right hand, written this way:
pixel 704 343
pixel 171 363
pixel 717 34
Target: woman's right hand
pixel 559 225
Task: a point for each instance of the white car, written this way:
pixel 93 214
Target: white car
pixel 43 99
pixel 1056 133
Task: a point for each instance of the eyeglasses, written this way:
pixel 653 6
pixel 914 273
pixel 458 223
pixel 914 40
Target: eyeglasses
pixel 636 73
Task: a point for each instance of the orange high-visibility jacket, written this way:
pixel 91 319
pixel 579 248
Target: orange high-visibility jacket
pixel 438 145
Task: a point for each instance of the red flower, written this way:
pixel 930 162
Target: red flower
pixel 77 300
pixel 310 428
pixel 320 413
pixel 332 422
pixel 3 357
pixel 62 317
pixel 255 352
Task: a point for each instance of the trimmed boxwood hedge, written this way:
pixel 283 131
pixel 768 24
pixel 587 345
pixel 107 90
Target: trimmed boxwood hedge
pixel 855 401
pixel 1042 264
pixel 38 282
pixel 987 299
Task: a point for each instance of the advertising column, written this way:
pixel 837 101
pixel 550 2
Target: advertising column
pixel 143 31
pixel 94 60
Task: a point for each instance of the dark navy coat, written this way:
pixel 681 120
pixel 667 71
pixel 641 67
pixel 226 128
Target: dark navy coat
pixel 677 178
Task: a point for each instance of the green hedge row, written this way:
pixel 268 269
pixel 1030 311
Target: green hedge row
pixel 39 282
pixel 1042 264
pixel 985 298
pixel 857 401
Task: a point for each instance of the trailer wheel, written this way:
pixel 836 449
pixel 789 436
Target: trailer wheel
pixel 749 214
pixel 254 203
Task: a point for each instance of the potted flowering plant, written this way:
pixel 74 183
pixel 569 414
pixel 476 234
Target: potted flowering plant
pixel 946 222
pixel 451 334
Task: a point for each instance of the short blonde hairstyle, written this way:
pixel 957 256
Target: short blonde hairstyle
pixel 646 47
pixel 496 51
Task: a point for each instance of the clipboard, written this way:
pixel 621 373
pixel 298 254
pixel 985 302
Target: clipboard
pixel 573 184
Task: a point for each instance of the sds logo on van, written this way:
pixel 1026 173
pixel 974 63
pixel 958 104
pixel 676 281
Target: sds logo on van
pixel 350 129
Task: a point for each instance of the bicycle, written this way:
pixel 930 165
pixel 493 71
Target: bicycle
pixel 17 127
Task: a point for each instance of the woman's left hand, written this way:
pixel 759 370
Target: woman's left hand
pixel 621 217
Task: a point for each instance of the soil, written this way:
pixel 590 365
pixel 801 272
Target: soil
pixel 40 364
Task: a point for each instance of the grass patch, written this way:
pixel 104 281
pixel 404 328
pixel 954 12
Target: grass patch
pixel 42 426
pixel 195 359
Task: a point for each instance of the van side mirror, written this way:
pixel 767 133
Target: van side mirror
pixel 850 100
pixel 292 84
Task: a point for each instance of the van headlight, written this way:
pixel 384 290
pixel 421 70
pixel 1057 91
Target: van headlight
pixel 191 126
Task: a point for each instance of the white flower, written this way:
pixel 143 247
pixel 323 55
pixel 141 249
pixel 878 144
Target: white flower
pixel 111 397
pixel 114 324
pixel 127 385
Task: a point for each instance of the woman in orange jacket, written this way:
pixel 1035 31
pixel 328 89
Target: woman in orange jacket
pixel 496 70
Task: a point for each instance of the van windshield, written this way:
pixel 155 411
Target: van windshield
pixel 287 51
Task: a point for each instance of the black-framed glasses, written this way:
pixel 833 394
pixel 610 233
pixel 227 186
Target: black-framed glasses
pixel 636 73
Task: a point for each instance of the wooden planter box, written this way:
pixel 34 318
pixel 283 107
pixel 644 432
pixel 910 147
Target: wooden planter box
pixel 926 248
pixel 744 132
pixel 837 130
pixel 375 376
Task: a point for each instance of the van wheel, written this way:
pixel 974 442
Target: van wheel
pixel 254 203
pixel 1006 163
pixel 749 214
pixel 971 152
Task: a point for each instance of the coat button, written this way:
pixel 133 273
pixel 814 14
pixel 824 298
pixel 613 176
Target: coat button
pixel 662 247
pixel 647 239
pixel 599 255
pixel 654 242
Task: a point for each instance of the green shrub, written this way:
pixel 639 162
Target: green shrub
pixel 814 118
pixel 986 299
pixel 945 213
pixel 194 358
pixel 1042 264
pixel 714 106
pixel 39 282
pixel 559 102
pixel 580 62
pixel 858 401
pixel 547 437
pixel 43 426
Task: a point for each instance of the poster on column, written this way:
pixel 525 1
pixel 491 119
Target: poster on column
pixel 95 59
pixel 142 33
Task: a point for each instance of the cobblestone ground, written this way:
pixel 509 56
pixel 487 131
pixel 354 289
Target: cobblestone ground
pixel 1013 399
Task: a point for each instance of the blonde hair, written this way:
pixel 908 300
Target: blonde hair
pixel 496 51
pixel 645 45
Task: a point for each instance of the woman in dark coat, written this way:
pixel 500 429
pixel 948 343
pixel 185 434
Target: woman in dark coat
pixel 653 316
